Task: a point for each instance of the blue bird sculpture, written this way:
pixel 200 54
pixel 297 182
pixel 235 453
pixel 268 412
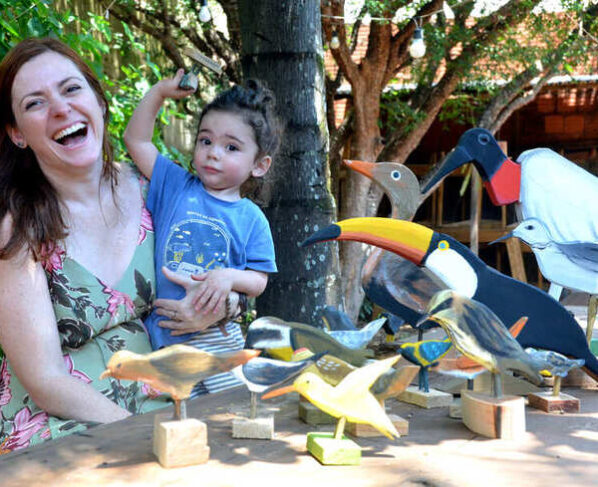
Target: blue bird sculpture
pixel 425 354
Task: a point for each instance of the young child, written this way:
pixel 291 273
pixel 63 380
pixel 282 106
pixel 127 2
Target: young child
pixel 203 227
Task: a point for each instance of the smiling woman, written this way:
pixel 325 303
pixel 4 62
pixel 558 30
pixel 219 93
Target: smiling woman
pixel 76 252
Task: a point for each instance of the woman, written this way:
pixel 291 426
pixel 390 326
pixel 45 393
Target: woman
pixel 76 252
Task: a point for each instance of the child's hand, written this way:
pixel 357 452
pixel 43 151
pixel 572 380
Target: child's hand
pixel 169 87
pixel 214 289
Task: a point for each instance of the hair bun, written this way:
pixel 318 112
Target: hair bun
pixel 258 96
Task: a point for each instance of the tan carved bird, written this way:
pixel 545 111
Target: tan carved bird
pixel 175 369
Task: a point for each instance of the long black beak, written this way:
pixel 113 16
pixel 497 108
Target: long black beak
pixel 331 232
pixel 456 158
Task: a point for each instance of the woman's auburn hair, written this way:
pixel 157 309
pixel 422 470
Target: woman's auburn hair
pixel 34 207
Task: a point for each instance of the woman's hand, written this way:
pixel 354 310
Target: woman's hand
pixel 183 318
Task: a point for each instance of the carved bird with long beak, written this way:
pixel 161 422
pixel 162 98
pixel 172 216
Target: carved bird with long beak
pixel 175 369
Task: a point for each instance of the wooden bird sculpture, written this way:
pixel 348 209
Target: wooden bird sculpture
pixel 359 338
pixel 333 370
pixel 339 325
pixel 350 400
pixel 279 339
pixel 558 365
pixel 550 326
pixel 333 319
pixel 261 373
pixel 548 187
pixel 175 369
pixel 573 265
pixel 390 281
pixel 425 354
pixel 480 335
pixel 462 367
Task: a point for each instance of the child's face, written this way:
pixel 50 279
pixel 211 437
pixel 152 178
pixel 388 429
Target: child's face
pixel 225 154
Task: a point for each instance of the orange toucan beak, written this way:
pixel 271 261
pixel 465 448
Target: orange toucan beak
pixel 279 392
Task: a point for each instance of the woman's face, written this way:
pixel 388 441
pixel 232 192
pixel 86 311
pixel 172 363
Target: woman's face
pixel 57 114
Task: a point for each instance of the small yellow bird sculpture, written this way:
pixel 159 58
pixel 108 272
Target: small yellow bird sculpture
pixel 175 369
pixel 350 400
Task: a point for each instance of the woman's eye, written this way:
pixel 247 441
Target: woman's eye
pixel 31 104
pixel 73 88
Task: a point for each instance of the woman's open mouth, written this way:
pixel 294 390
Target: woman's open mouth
pixel 72 135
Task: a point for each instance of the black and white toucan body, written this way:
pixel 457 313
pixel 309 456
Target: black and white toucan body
pixel 550 326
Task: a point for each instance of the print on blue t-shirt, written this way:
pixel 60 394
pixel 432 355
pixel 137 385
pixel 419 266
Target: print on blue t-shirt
pixel 197 245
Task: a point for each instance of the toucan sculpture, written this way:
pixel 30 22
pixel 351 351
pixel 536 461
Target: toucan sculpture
pixel 550 326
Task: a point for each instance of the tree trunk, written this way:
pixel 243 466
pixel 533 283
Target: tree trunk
pixel 282 46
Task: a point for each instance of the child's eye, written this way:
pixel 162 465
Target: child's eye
pixel 204 141
pixel 232 147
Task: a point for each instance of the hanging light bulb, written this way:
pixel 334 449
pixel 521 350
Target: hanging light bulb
pixel 334 42
pixel 204 12
pixel 417 48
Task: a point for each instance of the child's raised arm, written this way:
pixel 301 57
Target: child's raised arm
pixel 138 135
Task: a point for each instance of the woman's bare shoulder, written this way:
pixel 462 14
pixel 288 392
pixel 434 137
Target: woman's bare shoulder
pixel 21 257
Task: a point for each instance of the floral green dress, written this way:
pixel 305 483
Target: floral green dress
pixel 94 321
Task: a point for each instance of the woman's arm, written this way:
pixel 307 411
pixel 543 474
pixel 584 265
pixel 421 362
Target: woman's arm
pixel 29 338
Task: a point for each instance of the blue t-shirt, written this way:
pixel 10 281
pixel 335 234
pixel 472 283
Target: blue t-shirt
pixel 196 232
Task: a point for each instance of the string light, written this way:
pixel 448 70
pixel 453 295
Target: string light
pixel 417 48
pixel 204 12
pixel 335 43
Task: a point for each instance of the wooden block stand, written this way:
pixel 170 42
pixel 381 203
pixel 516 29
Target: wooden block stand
pixel 545 401
pixel 455 410
pixel 502 417
pixel 428 400
pixel 257 429
pixel 310 414
pixel 329 451
pixel 366 431
pixel 180 443
pixel 578 378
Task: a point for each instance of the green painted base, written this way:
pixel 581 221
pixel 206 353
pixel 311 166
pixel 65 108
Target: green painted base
pixel 594 346
pixel 329 451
